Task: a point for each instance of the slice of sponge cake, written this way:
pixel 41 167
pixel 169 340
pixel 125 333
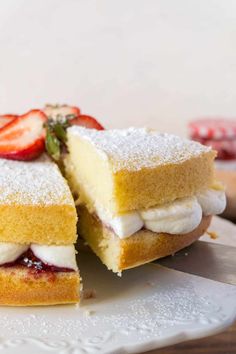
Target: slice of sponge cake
pixel 141 195
pixel 37 235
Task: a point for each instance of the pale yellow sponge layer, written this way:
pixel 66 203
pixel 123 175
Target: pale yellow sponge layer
pixel 123 170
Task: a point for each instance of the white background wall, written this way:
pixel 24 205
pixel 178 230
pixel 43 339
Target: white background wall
pixel 128 62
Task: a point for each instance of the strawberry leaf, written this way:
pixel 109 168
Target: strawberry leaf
pixel 52 145
pixel 60 132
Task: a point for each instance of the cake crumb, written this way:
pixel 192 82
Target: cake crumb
pixel 89 294
pixel 88 312
pixel 213 235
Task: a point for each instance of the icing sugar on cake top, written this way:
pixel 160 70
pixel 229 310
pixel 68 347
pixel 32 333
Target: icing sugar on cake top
pixel 37 182
pixel 136 148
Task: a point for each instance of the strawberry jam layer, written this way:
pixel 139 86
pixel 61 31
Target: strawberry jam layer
pixel 29 260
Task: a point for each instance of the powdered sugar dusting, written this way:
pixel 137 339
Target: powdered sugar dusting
pixel 37 182
pixel 136 148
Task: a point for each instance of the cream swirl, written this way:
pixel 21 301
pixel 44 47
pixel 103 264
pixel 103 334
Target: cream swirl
pixel 212 201
pixel 9 252
pixel 178 217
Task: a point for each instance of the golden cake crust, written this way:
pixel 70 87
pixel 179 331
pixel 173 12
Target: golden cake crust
pixel 142 247
pixel 20 287
pixel 149 187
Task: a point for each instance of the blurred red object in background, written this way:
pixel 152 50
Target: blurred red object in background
pixel 219 133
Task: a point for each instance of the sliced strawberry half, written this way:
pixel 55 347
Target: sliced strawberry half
pixel 87 122
pixel 53 111
pixel 24 137
pixel 6 118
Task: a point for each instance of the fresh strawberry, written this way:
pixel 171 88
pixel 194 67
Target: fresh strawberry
pixel 87 122
pixel 61 111
pixel 6 118
pixel 24 137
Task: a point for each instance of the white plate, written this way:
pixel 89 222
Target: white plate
pixel 148 307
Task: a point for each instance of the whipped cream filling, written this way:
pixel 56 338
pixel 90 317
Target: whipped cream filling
pixel 58 256
pixel 212 201
pixel 123 225
pixel 9 252
pixel 178 217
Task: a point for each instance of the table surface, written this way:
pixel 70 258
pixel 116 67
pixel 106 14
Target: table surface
pixel 222 343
